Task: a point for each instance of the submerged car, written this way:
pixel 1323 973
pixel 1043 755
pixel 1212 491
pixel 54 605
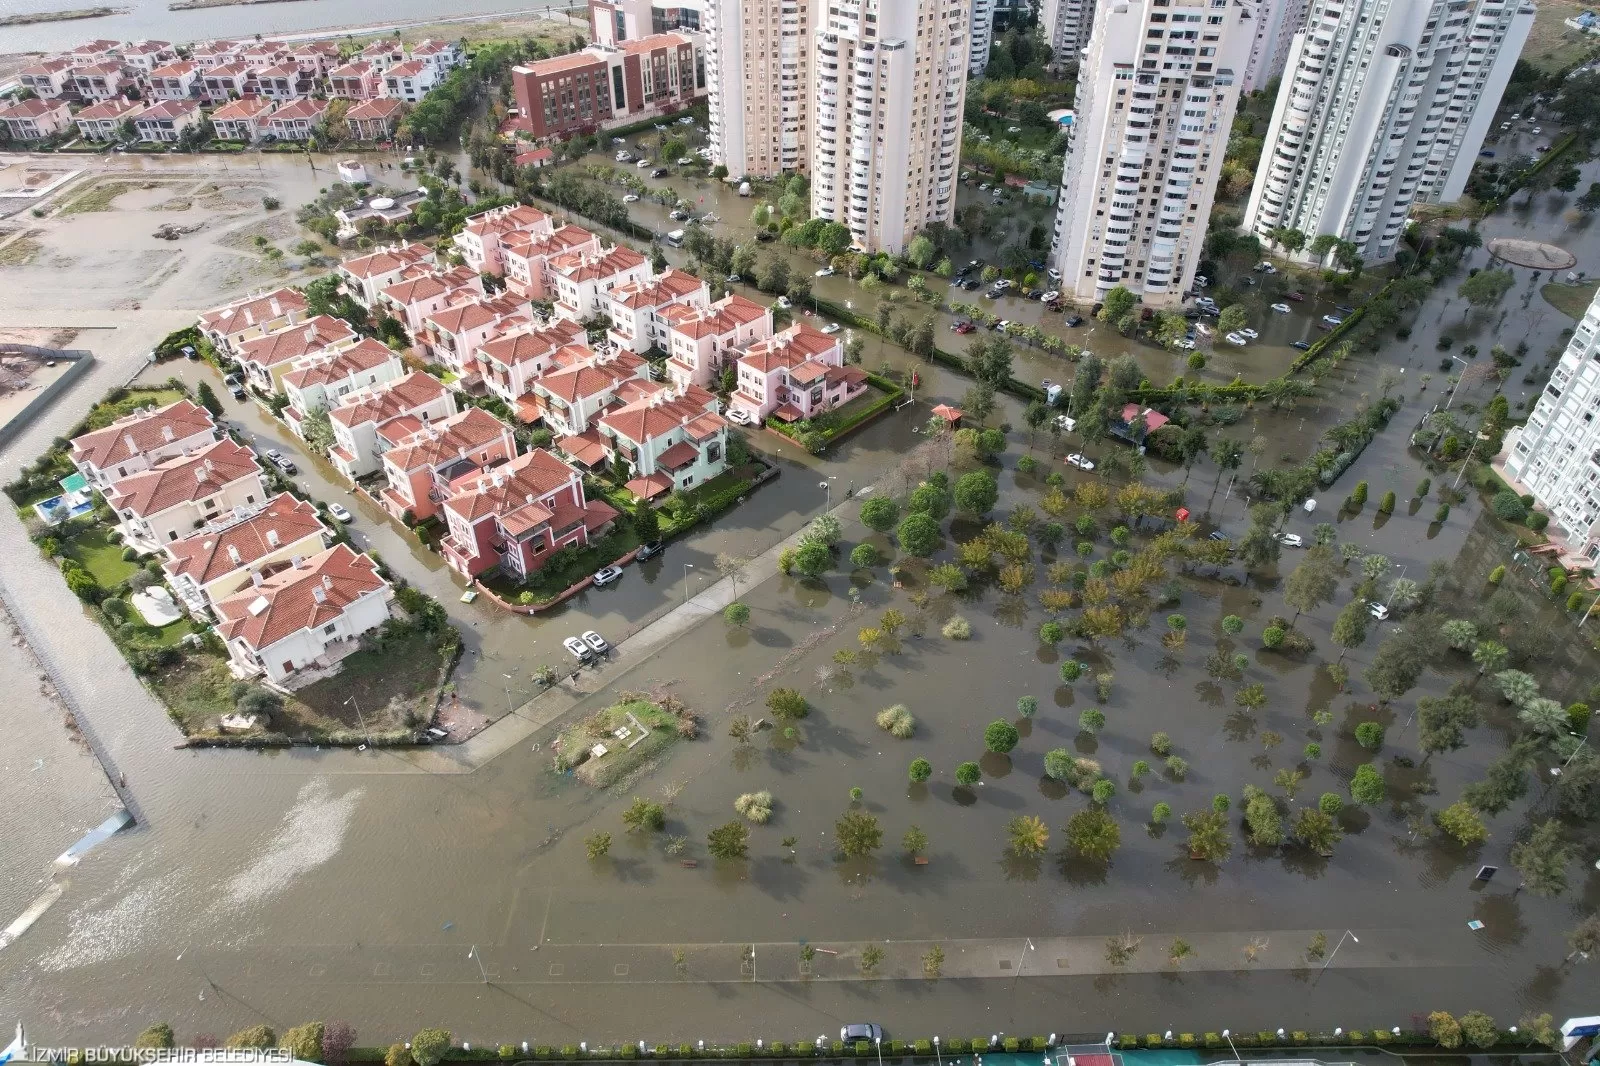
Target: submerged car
pixel 577 647
pixel 606 575
pixel 1080 461
pixel 596 642
pixel 1289 540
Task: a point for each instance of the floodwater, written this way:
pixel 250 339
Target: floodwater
pixel 284 886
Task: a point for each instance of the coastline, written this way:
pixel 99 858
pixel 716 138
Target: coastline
pixel 363 29
pixel 35 18
pixel 198 5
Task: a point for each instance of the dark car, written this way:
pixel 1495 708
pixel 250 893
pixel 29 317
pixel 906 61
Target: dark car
pixel 1345 308
pixel 1302 345
pixel 1217 534
pixel 659 172
pixel 189 352
pixel 1074 320
pixel 235 385
pixel 765 235
pixel 650 550
pixel 971 284
pixel 868 1031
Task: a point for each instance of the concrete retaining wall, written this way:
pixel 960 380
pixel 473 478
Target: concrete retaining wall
pixel 82 362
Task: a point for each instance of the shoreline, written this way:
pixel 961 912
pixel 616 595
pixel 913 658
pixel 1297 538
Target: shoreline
pixel 326 32
pixel 200 5
pixel 36 18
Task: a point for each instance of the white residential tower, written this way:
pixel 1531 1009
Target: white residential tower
pixel 1066 25
pixel 1157 90
pixel 1383 105
pixel 1277 21
pixel 758 74
pixel 981 38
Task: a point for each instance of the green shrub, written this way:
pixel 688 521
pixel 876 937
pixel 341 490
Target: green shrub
pixel 572 1051
pixel 921 1047
pixel 1537 521
pixel 1509 506
pixel 1212 1040
pixel 1386 505
pixel 1012 1045
pixel 1497 575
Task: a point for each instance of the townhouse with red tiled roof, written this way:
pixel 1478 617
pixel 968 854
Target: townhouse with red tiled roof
pixel 479 240
pixel 178 495
pixel 224 82
pixel 582 278
pixel 101 81
pixel 360 416
pixel 215 53
pixel 229 326
pixel 526 258
pixel 512 362
pixel 384 54
pixel 376 119
pixel 103 121
pixel 94 51
pixel 244 119
pixel 34 120
pixel 536 158
pixel 165 121
pixel 145 56
pixel 413 298
pixel 136 442
pixel 268 358
pixel 260 53
pixel 315 58
pixel 410 81
pixel 671 440
pixel 215 562
pixel 48 79
pixel 356 80
pixel 421 460
pixel 452 335
pixel 702 341
pixel 173 81
pixel 442 56
pixel 297 121
pixel 794 375
pixel 635 308
pixel 319 381
pixel 517 515
pixel 570 399
pixel 282 81
pixel 368 275
pixel 313 613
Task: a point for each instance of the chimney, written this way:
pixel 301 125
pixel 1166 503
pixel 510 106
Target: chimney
pixel 132 446
pixel 295 561
pixel 200 475
pixel 167 434
pixel 311 334
pixel 272 538
pixel 327 582
pixel 249 316
pixel 318 594
pixel 293 315
pixel 233 554
pixel 255 578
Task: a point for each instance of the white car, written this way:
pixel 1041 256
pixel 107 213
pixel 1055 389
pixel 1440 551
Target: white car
pixel 984 187
pixel 1050 297
pixel 631 198
pixel 1185 345
pixel 340 514
pixel 1202 329
pixel 782 304
pixel 686 120
pixel 642 164
pixel 596 642
pixel 1018 129
pixel 1378 611
pixel 1537 129
pixel 1289 540
pixel 740 416
pixel 825 272
pixel 831 327
pixel 1079 461
pixel 1067 423
pixel 1234 338
pixel 577 648
pixel 1053 274
pixel 1333 320
pixel 686 161
pixel 1282 309
pixel 1249 334
pixel 606 575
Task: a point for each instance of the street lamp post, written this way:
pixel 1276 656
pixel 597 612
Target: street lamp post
pixel 1340 944
pixel 1459 379
pixel 1228 1036
pixel 474 955
pixel 878 1041
pixel 686 568
pixel 937 1058
pixel 827 493
pixel 361 718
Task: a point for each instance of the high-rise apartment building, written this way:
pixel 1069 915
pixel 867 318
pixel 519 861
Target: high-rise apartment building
pixel 889 83
pixel 1157 90
pixel 1383 104
pixel 1066 25
pixel 613 21
pixel 758 65
pixel 1556 454
pixel 1277 21
pixel 981 38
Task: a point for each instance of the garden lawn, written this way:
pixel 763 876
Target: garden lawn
pixel 97 554
pixel 619 759
pixel 562 573
pixel 1570 300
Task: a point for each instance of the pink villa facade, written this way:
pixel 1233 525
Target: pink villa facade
pixel 421 461
pixel 795 375
pixel 526 259
pixel 704 340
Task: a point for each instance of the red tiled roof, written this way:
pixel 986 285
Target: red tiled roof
pixel 140 432
pixel 35 108
pixel 101 69
pixel 365 354
pixel 474 313
pixel 586 266
pixel 305 107
pixel 244 107
pixel 117 107
pixel 850 375
pixel 235 317
pixel 307 596
pixel 538 155
pixel 213 553
pixel 787 412
pixel 174 70
pixel 409 69
pixel 513 492
pixel 585 449
pixel 440 442
pixel 170 109
pixel 724 316
pixel 183 478
pixel 312 335
pixel 678 456
pixel 671 285
pixel 386 401
pixel 506 219
pixel 640 422
pixel 1153 420
pixel 593 378
pixel 386 260
pixel 546 68
pixel 358 68
pixel 381 107
pixel 654 42
pixel 525 345
pixel 648 488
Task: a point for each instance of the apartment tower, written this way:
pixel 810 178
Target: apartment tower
pixel 1556 454
pixel 1066 25
pixel 889 82
pixel 1157 89
pixel 981 38
pixel 1383 104
pixel 758 69
pixel 1277 21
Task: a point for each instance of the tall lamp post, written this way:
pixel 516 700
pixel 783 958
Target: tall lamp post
pixel 686 568
pixel 827 493
pixel 1340 944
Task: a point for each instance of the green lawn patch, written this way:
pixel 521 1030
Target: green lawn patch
pixel 1570 300
pixel 99 198
pixel 816 434
pixel 97 554
pixel 565 568
pixel 664 721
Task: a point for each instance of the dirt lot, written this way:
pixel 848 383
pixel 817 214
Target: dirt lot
pixel 1551 45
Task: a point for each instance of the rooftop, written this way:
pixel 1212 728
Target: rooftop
pixel 305 596
pixel 237 542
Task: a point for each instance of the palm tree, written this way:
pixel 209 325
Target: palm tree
pixel 1544 717
pixel 1490 656
pixel 1517 687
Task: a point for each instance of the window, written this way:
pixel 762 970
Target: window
pixel 328 630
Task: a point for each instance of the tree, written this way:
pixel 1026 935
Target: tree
pixel 1369 735
pixel 1000 736
pixel 597 845
pixel 1479 1029
pixel 1315 829
pixel 976 492
pixel 1585 937
pixel 1093 834
pixel 1059 765
pixel 429 1046
pixel 1486 288
pixel 1517 687
pixel 1366 786
pixel 1442 721
pixel 857 833
pixel 880 513
pixel 208 399
pixel 921 770
pixel 1312 583
pixel 968 774
pixel 736 615
pixel 1394 670
pixel 304 1042
pixel 1232 319
pixel 989 362
pixel 918 535
pixel 1262 817
pixel 158 1035
pixel 1444 1029
pixel 1459 633
pixel 1091 720
pixel 1208 835
pixel 1350 627
pixel 256 1037
pixel 1117 304
pixel 1462 823
pixel 788 704
pixel 729 841
pixel 646 523
pixel 1028 834
pixel 1543 858
pixel 337 1040
pixel 1505 782
pixel 644 814
pixel 915 841
pixel 1490 656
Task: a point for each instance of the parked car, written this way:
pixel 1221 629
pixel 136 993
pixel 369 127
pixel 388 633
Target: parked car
pixel 1289 540
pixel 963 327
pixel 1282 309
pixel 1005 283
pixel 825 272
pixel 1333 320
pixel 649 550
pixel 1080 461
pixel 1301 345
pixel 734 279
pixel 1537 129
pixel 1249 334
pixel 1053 274
pixel 686 120
pixel 1295 296
pixel 831 327
pixel 659 172
pixel 281 461
pixel 971 284
pixel 1378 611
pixel 1217 534
pixel 1074 320
pixel 740 416
pixel 577 648
pixel 1067 423
pixel 1487 153
pixel 235 385
pixel 1202 329
pixel 606 575
pixel 1234 338
pixel 596 642
pixel 631 198
pixel 1266 268
pixel 868 1031
pixel 1000 324
pixel 340 513
pixel 686 161
pixel 1185 344
pixel 1051 296
pixel 1201 281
